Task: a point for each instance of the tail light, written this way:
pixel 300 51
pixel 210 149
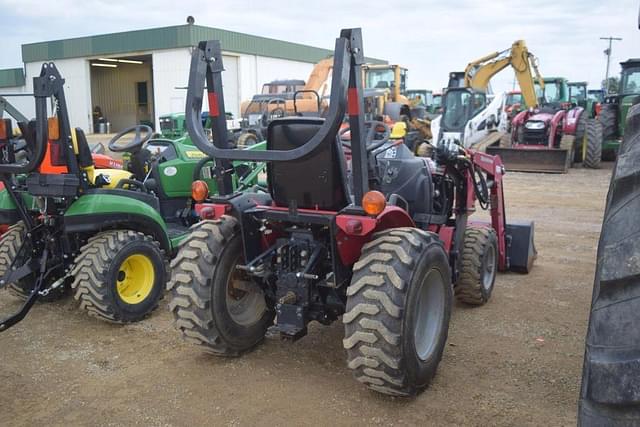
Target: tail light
pixel 373 202
pixel 199 191
pixel 56 150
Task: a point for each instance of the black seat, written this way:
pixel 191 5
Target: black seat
pixel 85 159
pixel 316 181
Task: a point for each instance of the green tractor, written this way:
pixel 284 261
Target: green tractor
pixel 595 97
pixel 104 234
pixel 615 108
pixel 579 96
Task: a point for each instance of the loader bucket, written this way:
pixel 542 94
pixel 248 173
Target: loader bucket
pixel 549 160
pixel 521 249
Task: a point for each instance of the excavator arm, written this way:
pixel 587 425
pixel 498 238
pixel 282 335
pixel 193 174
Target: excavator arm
pixel 479 72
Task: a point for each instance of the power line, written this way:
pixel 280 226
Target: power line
pixel 607 52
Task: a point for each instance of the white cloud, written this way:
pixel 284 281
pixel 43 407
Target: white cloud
pixel 430 37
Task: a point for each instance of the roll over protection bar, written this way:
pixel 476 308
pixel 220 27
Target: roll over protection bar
pixel 48 84
pixel 206 65
pixel 346 96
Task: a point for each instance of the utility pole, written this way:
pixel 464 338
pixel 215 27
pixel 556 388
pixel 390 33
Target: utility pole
pixel 607 52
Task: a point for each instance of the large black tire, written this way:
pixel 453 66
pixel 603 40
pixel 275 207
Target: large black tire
pixel 10 243
pixel 105 274
pixel 478 266
pixel 593 140
pixel 609 118
pixel 401 281
pixel 208 310
pixel 610 393
pixel 581 129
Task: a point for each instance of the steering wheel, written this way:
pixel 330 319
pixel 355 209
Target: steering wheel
pixel 374 139
pixel 136 143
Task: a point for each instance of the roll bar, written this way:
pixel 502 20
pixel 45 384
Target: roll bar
pixel 206 65
pixel 346 96
pixel 49 84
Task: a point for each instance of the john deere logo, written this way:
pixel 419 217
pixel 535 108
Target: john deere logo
pixel 195 154
pixel 170 171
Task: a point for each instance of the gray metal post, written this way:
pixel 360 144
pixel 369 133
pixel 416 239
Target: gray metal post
pixel 608 53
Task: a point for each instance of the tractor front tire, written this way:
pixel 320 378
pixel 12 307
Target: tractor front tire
pixel 581 129
pixel 10 243
pixel 214 304
pixel 593 149
pixel 398 310
pixel 610 392
pixel 119 276
pixel 479 264
pixel 608 118
pixel 247 139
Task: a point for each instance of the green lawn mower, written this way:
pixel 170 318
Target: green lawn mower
pixel 104 234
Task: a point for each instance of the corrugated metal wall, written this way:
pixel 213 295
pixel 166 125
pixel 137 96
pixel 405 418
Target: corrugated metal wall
pixel 114 91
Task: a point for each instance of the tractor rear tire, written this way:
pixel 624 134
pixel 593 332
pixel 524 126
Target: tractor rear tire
pixel 581 129
pixel 119 276
pixel 10 243
pixel 479 264
pixel 398 311
pixel 608 117
pixel 610 392
pixel 208 308
pixel 593 149
pixel 247 139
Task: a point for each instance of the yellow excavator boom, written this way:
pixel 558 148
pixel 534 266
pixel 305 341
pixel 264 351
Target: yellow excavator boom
pixel 479 72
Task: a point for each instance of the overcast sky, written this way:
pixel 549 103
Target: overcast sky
pixel 429 37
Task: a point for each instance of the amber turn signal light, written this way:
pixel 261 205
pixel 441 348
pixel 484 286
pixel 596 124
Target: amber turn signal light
pixel 199 191
pixel 373 202
pixel 53 128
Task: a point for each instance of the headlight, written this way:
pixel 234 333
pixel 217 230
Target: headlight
pixel 534 125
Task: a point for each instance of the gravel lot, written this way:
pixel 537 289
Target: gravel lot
pixel 515 361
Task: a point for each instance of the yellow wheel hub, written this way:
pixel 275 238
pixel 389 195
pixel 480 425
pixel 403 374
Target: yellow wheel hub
pixel 135 279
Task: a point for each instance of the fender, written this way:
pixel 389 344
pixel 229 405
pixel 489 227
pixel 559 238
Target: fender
pixel 354 231
pixel 569 126
pixel 98 211
pixel 553 126
pixel 518 121
pixel 8 210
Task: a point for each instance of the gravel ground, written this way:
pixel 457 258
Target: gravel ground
pixel 515 361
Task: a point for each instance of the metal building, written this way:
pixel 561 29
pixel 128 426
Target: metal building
pixel 136 76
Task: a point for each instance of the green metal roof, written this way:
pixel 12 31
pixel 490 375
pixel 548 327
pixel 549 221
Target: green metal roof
pixel 171 38
pixel 11 77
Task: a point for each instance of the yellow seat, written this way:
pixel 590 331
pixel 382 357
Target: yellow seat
pixel 398 131
pixel 113 176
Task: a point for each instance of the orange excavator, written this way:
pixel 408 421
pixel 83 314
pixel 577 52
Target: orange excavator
pixel 284 98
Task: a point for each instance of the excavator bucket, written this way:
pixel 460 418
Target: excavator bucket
pixel 547 160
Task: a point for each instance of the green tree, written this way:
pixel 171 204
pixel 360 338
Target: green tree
pixel 613 85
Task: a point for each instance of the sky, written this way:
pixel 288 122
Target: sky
pixel 430 38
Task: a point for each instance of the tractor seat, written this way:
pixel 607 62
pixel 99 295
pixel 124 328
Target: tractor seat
pixel 316 181
pixel 104 178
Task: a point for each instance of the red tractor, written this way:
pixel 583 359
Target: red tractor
pixel 549 138
pixel 383 240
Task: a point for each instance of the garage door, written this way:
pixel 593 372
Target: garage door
pixel 230 85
